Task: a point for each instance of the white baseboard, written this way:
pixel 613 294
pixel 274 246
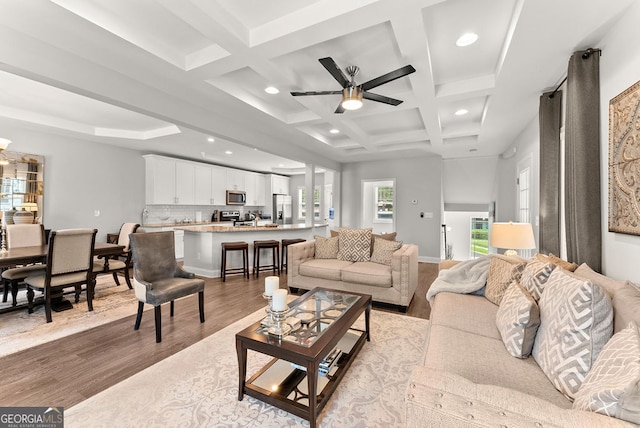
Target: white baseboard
pixel 425 259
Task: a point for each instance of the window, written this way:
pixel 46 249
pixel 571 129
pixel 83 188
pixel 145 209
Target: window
pixel 384 203
pixel 479 236
pixel 302 203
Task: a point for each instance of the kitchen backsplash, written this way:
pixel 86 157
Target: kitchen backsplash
pixel 154 214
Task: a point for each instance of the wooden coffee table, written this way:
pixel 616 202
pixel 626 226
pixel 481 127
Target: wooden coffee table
pixel 326 319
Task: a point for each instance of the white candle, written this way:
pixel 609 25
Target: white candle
pixel 271 283
pixel 279 300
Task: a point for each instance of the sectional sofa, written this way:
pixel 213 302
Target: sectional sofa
pixel 537 350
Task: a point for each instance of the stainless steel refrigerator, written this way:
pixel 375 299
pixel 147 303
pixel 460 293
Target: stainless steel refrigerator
pixel 282 213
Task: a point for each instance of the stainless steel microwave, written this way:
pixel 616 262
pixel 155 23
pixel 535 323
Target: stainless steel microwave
pixel 236 197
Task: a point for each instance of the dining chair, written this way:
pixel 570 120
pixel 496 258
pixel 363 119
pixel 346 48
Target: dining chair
pixel 21 235
pixel 121 263
pixel 157 277
pixel 69 263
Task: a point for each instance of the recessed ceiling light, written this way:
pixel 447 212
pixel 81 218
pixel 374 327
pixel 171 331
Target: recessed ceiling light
pixel 466 39
pixel 281 165
pixel 211 139
pixel 272 90
pixel 461 112
pixel 228 152
pixel 334 131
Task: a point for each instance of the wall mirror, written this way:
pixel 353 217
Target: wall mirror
pixel 22 187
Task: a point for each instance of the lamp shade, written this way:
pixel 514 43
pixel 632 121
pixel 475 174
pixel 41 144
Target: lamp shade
pixel 352 98
pixel 4 143
pixel 512 236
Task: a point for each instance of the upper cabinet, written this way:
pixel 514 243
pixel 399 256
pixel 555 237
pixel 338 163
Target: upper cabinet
pixel 255 188
pixel 279 184
pixel 235 179
pixel 169 181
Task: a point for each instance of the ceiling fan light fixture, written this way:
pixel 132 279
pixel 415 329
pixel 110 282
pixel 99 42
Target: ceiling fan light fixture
pixel 352 98
pixel 271 90
pixel 461 112
pixel 466 39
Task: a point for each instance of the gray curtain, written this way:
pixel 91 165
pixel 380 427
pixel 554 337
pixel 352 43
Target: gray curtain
pixel 550 117
pixel 582 160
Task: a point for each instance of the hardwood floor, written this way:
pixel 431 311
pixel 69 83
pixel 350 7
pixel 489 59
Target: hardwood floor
pixel 69 370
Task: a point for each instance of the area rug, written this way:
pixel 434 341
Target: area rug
pixel 20 330
pixel 198 386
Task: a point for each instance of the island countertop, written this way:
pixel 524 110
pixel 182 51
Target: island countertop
pixel 216 229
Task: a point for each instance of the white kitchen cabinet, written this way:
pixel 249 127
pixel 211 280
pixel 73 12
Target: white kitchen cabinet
pixel 261 190
pixel 204 184
pixel 169 181
pixel 235 179
pixel 219 185
pixel 250 179
pixel 279 184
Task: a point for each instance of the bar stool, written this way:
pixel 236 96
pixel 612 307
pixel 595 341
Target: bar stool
pixel 273 245
pixel 284 257
pixel 235 246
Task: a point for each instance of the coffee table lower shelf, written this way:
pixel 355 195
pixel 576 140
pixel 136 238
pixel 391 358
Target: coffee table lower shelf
pixel 284 384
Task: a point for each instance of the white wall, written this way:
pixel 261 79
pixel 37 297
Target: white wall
pixel 417 179
pixel 619 69
pixel 80 177
pixel 469 180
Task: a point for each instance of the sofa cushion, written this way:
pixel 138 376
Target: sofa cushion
pixel 557 261
pixel 324 268
pixel 326 248
pixel 354 245
pixel 612 387
pixel 534 277
pixel 576 320
pixel 391 236
pixel 517 320
pixel 368 273
pixel 483 360
pixel 626 302
pixel 608 284
pixel 502 272
pixel 383 250
pixel 465 312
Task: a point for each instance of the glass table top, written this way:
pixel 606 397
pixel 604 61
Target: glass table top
pixel 310 317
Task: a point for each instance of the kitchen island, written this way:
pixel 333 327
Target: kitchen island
pixel 202 244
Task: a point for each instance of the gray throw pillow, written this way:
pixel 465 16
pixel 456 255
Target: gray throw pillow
pixel 612 386
pixel 503 270
pixel 535 276
pixel 576 320
pixel 517 320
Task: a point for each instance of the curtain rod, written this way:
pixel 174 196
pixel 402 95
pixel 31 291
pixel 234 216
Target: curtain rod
pixel 586 54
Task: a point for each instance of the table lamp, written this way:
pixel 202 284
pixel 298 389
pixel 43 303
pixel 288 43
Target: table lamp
pixel 512 236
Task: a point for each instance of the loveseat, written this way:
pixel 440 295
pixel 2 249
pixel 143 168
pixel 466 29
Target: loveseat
pixel 471 378
pixel 389 273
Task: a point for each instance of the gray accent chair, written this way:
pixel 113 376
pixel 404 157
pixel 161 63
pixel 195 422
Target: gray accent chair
pixel 69 264
pixel 120 263
pixel 157 277
pixel 21 235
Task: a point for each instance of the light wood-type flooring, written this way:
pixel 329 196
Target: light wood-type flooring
pixel 69 370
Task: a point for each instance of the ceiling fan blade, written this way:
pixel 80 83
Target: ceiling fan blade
pixel 335 71
pixel 386 78
pixel 381 98
pixel 299 94
pixel 340 109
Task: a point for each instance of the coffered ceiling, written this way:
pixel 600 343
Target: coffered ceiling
pixel 162 76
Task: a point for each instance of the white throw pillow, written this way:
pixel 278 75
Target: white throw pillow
pixel 576 320
pixel 612 387
pixel 517 320
pixel 535 276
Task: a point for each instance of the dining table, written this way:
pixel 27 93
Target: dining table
pixel 38 254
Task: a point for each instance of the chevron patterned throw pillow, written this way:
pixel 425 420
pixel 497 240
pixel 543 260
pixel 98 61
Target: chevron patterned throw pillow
pixel 517 320
pixel 576 320
pixel 354 245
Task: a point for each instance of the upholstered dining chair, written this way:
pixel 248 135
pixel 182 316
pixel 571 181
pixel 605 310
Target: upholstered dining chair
pixel 122 262
pixel 21 235
pixel 157 277
pixel 69 263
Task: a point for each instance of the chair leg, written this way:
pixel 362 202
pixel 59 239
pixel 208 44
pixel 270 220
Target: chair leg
pixel 6 291
pixel 158 315
pixel 91 287
pixel 223 264
pixel 30 295
pixel 201 305
pixel 47 304
pixel 115 278
pixel 139 315
pixel 171 311
pixel 126 277
pixel 14 292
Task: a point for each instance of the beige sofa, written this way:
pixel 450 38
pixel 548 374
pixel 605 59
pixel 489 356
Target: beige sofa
pixel 395 284
pixel 469 379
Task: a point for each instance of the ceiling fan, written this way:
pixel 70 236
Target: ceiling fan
pixel 352 93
